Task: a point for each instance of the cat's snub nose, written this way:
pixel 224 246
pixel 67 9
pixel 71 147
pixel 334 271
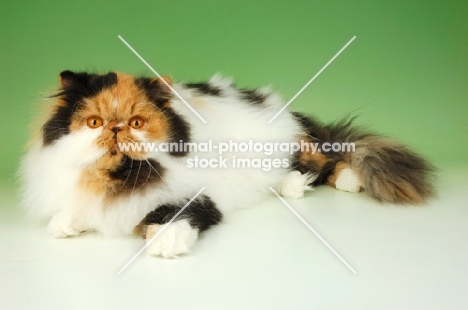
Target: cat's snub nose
pixel 116 129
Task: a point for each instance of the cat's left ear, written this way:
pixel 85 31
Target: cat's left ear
pixel 158 90
pixel 165 83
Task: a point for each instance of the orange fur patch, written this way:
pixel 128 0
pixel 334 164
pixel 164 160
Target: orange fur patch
pixel 116 106
pixel 61 102
pixel 140 230
pixel 96 178
pixel 151 230
pixel 198 102
pixel 167 79
pixel 318 159
pixel 400 192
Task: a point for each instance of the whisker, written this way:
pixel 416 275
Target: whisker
pixel 131 167
pixel 136 179
pixel 152 168
pixel 146 181
pixel 155 170
pixel 58 130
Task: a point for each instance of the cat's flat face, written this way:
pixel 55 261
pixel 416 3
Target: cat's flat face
pixel 121 114
pixel 115 107
pixel 100 111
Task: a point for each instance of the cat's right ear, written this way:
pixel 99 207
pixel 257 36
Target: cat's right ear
pixel 67 78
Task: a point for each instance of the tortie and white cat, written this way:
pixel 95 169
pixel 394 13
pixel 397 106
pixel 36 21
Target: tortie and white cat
pixel 75 175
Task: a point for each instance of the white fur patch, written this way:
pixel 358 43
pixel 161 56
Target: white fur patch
pixel 51 174
pixel 177 239
pixel 221 81
pixel 295 184
pixel 61 226
pixel 115 103
pixel 348 181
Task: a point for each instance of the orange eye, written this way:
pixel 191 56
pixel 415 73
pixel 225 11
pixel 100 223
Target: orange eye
pixel 94 122
pixel 137 122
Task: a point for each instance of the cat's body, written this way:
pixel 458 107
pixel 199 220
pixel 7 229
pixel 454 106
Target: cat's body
pixel 77 175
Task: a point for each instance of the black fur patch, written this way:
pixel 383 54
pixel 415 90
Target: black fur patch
pixel 201 213
pixel 339 132
pixel 157 93
pixel 135 174
pixel 252 96
pixel 57 126
pixel 180 130
pixel 205 88
pixel 76 86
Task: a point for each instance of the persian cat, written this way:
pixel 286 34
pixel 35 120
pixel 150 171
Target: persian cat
pixel 91 167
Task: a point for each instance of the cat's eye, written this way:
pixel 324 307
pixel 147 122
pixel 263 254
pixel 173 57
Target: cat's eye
pixel 136 122
pixel 94 122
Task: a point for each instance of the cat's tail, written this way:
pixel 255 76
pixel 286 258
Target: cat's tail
pixel 352 159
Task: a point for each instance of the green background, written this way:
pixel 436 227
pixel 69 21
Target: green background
pixel 406 74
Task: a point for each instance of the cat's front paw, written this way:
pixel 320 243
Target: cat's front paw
pixel 61 226
pixel 295 184
pixel 177 239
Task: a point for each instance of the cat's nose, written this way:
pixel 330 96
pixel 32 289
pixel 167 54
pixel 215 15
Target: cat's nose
pixel 116 129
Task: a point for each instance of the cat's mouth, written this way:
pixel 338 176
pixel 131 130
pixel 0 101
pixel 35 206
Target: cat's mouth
pixel 114 144
pixel 114 150
pixel 119 142
pixel 117 147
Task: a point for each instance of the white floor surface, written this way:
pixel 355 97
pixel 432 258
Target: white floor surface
pixel 260 258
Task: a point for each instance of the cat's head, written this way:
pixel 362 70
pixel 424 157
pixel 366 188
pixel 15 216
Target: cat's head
pixel 95 114
pixel 114 108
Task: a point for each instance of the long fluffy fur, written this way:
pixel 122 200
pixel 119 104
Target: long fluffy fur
pixel 76 177
pixel 52 170
pixel 389 170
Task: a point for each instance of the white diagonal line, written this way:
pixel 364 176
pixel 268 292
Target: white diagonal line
pixel 160 231
pixel 164 81
pixel 313 230
pixel 311 80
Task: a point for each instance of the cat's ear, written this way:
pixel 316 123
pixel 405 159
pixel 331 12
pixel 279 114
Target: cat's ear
pixel 91 82
pixel 68 78
pixel 158 90
pixel 165 83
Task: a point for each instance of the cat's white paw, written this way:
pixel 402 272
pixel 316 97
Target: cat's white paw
pixel 177 239
pixel 295 184
pixel 348 181
pixel 61 226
